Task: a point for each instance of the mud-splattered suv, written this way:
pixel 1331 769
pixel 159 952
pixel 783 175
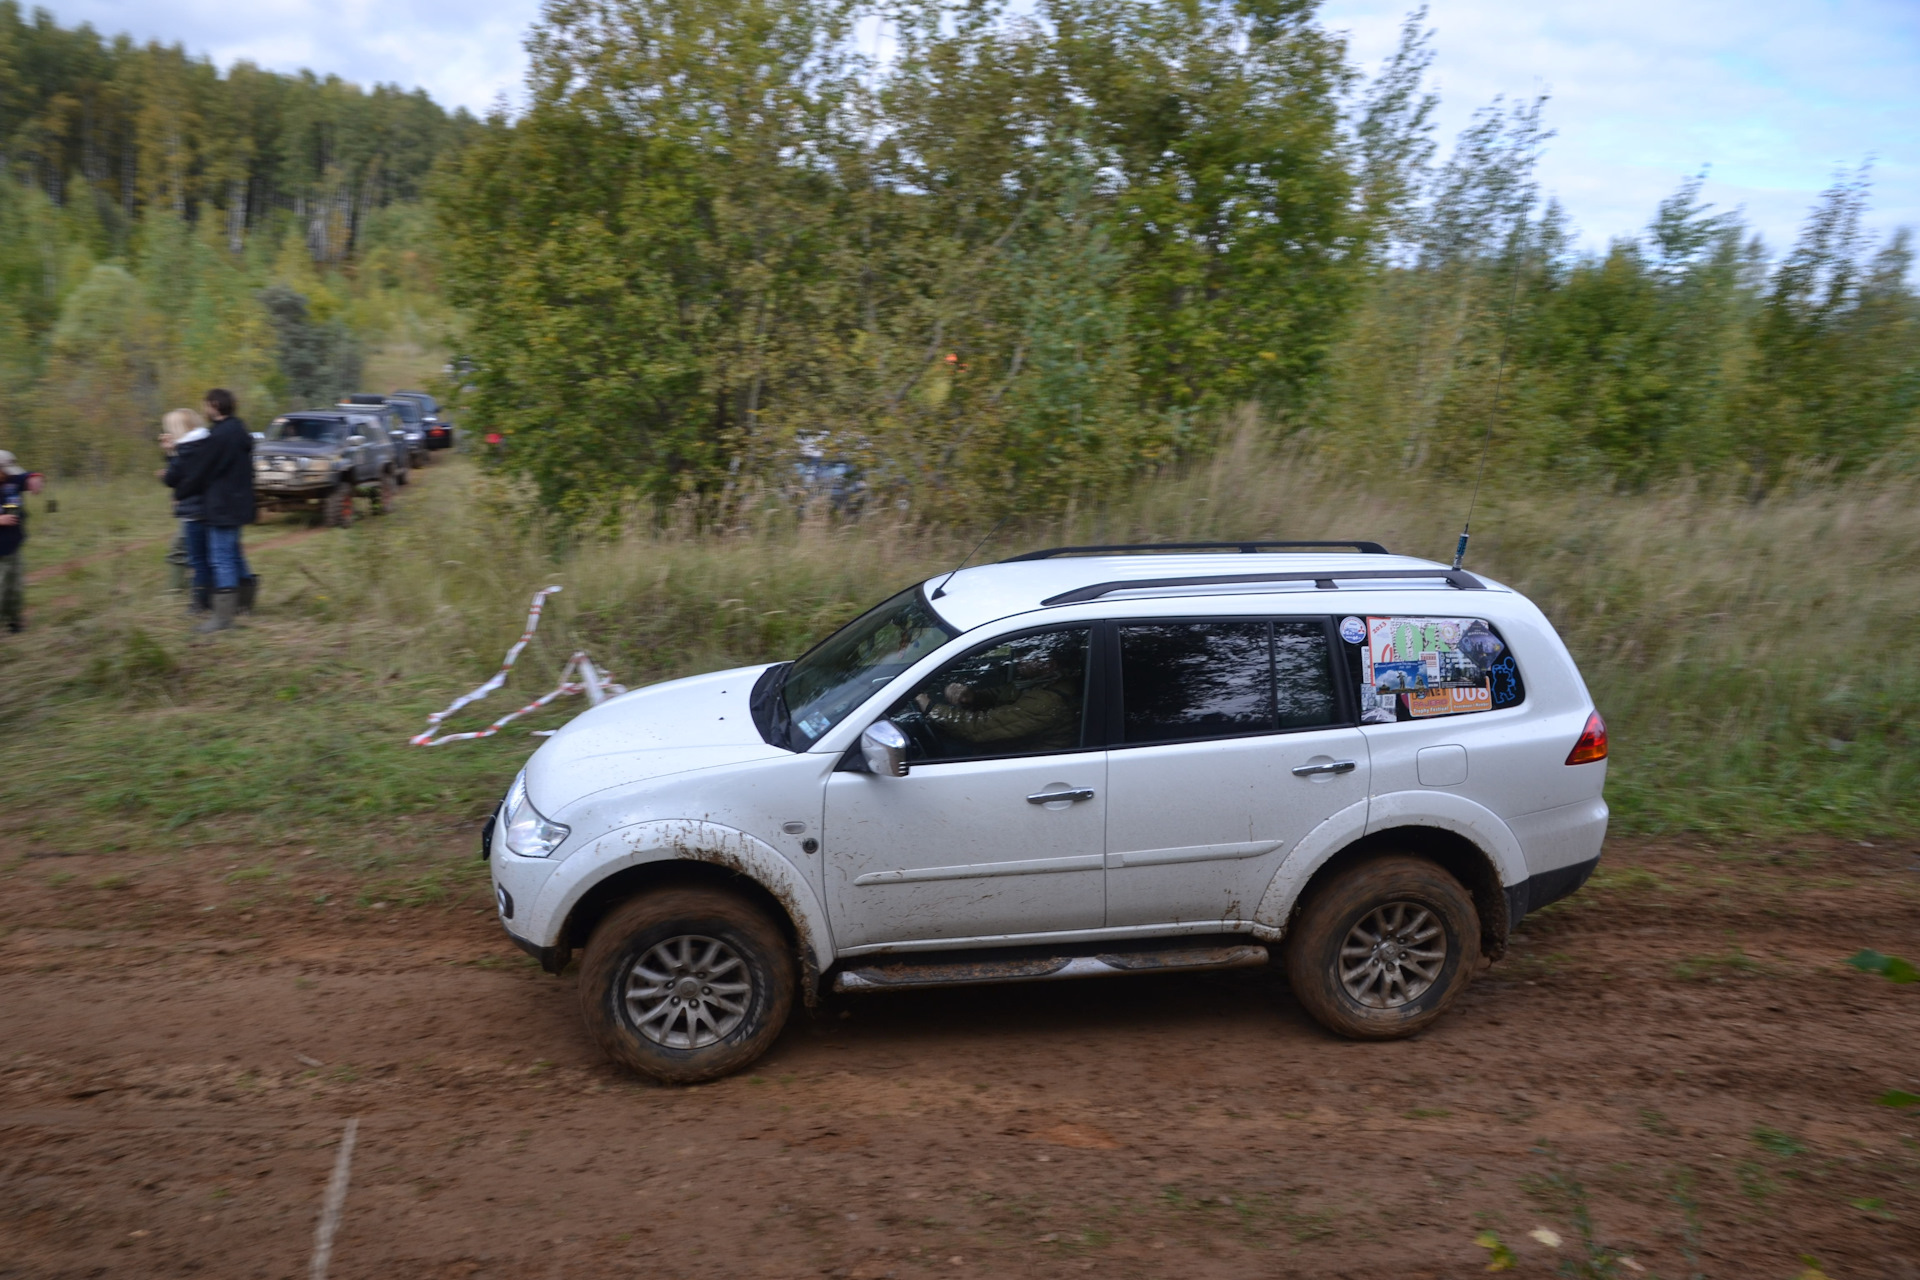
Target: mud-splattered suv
pixel 318 459
pixel 1081 762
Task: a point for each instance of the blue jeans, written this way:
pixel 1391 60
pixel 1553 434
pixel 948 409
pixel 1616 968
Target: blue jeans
pixel 194 534
pixel 224 554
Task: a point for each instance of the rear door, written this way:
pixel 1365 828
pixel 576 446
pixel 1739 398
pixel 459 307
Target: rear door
pixel 1229 740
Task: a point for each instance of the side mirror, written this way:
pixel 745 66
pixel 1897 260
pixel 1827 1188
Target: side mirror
pixel 356 439
pixel 884 748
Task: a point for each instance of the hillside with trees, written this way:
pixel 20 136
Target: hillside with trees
pixel 168 227
pixel 1019 259
pixel 1026 257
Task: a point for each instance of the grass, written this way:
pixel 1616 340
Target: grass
pixel 1753 661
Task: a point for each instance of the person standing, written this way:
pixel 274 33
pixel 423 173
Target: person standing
pixel 181 432
pixel 16 482
pixel 219 471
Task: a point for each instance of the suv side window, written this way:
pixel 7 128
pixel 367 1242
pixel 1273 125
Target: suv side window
pixel 1413 668
pixel 1182 681
pixel 1018 695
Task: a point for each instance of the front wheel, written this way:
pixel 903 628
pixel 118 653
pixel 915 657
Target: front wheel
pixel 686 985
pixel 336 509
pixel 1382 949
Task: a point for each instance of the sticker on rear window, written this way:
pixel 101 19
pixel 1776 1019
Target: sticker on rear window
pixel 1352 630
pixel 1433 667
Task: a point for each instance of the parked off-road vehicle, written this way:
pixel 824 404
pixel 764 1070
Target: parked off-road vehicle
pixel 439 432
pixel 1081 762
pixel 317 460
pixel 393 424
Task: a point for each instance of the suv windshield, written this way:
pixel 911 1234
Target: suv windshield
pixel 321 430
pixel 408 409
pixel 842 671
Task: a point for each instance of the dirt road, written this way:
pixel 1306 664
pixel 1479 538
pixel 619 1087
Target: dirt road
pixel 1675 1056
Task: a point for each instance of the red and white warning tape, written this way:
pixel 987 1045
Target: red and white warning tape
pixel 592 682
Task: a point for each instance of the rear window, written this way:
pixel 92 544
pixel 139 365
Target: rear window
pixel 1416 667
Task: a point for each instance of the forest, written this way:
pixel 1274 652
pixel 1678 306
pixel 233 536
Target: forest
pixel 170 227
pixel 1012 260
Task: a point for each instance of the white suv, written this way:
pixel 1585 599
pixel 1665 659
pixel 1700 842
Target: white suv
pixel 1079 762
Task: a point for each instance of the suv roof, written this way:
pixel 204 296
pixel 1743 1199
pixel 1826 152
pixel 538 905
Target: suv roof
pixel 977 596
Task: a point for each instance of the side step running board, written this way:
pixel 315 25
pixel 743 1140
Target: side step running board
pixel 890 977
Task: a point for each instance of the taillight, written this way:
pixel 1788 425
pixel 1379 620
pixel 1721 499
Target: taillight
pixel 1593 742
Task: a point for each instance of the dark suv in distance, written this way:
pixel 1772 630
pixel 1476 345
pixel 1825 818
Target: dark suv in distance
pixel 392 427
pixel 439 432
pixel 407 426
pixel 317 459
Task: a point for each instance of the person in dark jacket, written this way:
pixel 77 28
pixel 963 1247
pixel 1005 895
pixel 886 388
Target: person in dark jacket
pixel 16 482
pixel 181 432
pixel 219 471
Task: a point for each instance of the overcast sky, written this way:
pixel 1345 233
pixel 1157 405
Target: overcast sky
pixel 1772 96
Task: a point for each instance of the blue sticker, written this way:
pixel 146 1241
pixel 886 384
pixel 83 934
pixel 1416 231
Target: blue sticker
pixel 1352 630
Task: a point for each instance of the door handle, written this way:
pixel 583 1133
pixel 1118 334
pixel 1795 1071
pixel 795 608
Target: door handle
pixel 1050 797
pixel 1333 766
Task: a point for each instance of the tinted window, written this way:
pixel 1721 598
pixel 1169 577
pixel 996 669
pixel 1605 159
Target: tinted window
pixel 1187 680
pixel 1303 674
pixel 1025 695
pixel 1195 680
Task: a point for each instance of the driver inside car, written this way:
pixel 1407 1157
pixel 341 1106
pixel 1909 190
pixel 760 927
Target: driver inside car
pixel 1037 707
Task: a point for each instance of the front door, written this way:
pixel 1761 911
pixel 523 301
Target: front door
pixel 1229 748
pixel 997 830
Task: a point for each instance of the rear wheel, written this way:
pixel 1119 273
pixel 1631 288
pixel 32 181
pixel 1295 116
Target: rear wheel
pixel 686 985
pixel 384 493
pixel 1382 949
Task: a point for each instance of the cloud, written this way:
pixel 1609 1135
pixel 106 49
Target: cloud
pixel 1773 96
pixel 465 53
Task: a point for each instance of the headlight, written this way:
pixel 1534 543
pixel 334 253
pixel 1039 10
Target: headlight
pixel 529 834
pixel 316 464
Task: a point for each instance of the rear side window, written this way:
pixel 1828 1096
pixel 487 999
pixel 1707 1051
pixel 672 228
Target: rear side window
pixel 1182 681
pixel 1416 667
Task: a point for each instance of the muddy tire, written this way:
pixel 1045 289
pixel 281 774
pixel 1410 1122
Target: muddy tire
pixel 336 509
pixel 385 494
pixel 686 985
pixel 1383 948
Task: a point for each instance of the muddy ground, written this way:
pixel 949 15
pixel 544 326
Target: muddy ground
pixel 1677 1057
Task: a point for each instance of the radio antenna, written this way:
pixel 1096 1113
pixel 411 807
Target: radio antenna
pixel 941 590
pixel 1493 415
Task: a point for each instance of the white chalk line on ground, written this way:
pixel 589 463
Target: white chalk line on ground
pixel 335 1201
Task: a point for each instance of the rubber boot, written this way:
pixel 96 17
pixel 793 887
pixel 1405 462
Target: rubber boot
pixel 201 601
pixel 249 587
pixel 225 603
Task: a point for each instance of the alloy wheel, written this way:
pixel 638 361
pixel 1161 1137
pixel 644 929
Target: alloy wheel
pixel 1393 955
pixel 688 992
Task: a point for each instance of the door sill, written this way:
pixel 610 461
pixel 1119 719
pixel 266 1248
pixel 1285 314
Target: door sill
pixel 958 972
pixel 1173 929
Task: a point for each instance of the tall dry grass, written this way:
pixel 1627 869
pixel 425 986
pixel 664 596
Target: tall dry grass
pixel 1754 661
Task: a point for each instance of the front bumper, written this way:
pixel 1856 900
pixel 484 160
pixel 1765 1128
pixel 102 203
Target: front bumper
pixel 516 887
pixel 553 959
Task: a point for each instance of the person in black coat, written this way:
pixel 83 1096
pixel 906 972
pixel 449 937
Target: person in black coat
pixel 181 433
pixel 219 472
